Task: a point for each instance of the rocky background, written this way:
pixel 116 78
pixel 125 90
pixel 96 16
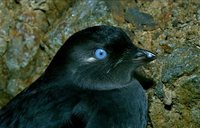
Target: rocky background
pixel 31 31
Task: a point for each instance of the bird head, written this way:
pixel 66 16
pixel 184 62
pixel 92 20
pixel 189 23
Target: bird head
pixel 99 58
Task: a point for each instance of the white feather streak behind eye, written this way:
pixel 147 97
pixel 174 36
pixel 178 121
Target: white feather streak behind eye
pixel 91 59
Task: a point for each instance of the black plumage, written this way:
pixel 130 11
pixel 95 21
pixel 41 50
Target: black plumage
pixel 88 84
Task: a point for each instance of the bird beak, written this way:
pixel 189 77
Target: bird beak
pixel 144 55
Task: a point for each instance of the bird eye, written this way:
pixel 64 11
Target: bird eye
pixel 100 54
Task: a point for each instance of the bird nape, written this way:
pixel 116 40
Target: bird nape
pixel 88 84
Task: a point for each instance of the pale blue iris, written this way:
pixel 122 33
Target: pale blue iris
pixel 100 54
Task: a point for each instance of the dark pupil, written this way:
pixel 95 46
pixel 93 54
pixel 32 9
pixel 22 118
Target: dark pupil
pixel 101 53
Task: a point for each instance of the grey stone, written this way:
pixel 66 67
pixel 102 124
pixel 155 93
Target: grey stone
pixel 140 19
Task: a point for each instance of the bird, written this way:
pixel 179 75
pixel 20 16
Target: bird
pixel 88 84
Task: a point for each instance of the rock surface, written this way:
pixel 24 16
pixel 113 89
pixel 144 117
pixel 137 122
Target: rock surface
pixel 32 31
